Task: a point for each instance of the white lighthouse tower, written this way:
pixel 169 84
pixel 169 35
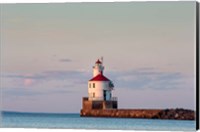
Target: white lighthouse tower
pixel 99 91
pixel 99 87
pixel 98 68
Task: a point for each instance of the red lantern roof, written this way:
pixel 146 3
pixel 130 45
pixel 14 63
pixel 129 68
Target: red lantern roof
pixel 98 62
pixel 99 77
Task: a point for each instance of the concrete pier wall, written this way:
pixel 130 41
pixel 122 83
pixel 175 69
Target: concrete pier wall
pixel 98 104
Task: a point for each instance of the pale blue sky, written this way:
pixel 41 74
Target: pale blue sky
pixel 48 50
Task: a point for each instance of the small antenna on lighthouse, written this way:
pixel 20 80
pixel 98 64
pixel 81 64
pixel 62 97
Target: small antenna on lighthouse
pixel 102 59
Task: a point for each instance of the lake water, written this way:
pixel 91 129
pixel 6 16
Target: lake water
pixel 74 121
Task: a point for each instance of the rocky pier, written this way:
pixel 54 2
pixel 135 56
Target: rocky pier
pixel 176 114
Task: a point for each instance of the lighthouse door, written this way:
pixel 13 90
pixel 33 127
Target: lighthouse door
pixel 104 94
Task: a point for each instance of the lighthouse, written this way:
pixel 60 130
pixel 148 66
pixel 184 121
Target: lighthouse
pixel 99 90
pixel 99 87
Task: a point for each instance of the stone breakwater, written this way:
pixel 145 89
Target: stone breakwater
pixel 178 114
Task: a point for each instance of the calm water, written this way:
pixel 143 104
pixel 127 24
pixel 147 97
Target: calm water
pixel 74 121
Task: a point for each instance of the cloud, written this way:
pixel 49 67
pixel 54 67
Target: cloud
pixel 46 75
pixel 28 81
pixel 138 79
pixel 148 78
pixel 22 76
pixel 48 78
pixel 65 60
pixel 19 91
pixel 62 86
pixel 16 91
pixel 46 82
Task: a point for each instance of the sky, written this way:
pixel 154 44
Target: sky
pixel 48 50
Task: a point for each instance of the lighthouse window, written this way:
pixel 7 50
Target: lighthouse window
pixel 93 85
pixel 89 85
